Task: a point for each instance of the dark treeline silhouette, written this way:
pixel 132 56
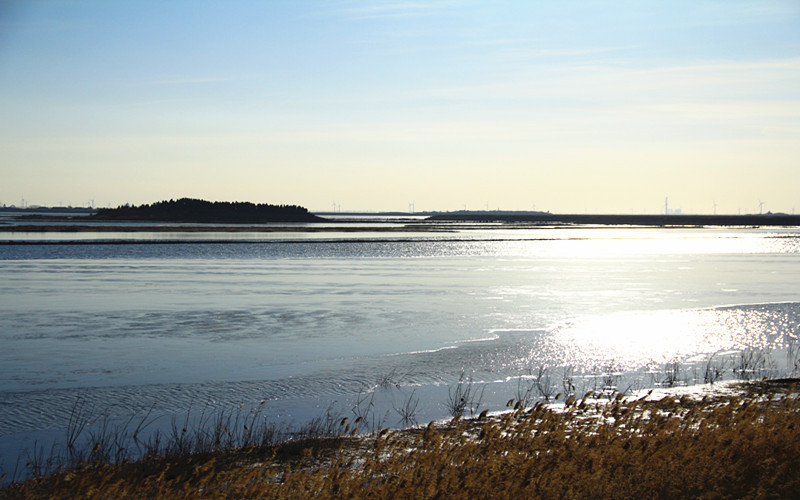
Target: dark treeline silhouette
pixel 192 210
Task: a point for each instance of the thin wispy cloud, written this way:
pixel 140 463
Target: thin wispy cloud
pixel 710 15
pixel 393 9
pixel 622 77
pixel 731 109
pixel 572 52
pixel 198 80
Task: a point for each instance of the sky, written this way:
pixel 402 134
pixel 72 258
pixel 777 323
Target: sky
pixel 567 107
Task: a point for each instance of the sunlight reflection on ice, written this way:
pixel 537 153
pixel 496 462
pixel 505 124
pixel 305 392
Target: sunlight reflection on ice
pixel 616 242
pixel 636 339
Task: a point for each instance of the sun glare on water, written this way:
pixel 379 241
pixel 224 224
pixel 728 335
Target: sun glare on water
pixel 638 339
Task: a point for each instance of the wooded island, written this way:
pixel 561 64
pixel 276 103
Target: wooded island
pixel 193 210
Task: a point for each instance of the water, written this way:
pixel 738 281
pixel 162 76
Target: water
pixel 306 323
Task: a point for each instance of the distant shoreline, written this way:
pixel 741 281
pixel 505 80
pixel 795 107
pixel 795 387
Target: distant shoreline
pixel 199 216
pixel 199 228
pixel 768 219
pixel 433 224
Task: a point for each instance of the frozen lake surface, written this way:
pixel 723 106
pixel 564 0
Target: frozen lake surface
pixel 305 322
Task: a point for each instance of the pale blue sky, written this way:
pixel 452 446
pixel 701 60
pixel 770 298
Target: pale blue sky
pixel 595 106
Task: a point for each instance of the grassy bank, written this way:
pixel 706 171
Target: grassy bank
pixel 739 443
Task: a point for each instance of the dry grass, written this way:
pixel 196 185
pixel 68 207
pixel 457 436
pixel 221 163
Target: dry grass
pixel 727 446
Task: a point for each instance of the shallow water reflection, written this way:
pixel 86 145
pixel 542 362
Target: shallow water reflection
pixel 305 325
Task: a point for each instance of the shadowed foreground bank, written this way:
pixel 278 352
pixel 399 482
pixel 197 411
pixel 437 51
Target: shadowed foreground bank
pixel 736 444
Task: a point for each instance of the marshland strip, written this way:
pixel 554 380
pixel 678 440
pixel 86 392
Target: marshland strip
pixel 727 440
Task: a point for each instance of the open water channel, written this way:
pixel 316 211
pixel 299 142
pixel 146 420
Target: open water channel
pixel 300 324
